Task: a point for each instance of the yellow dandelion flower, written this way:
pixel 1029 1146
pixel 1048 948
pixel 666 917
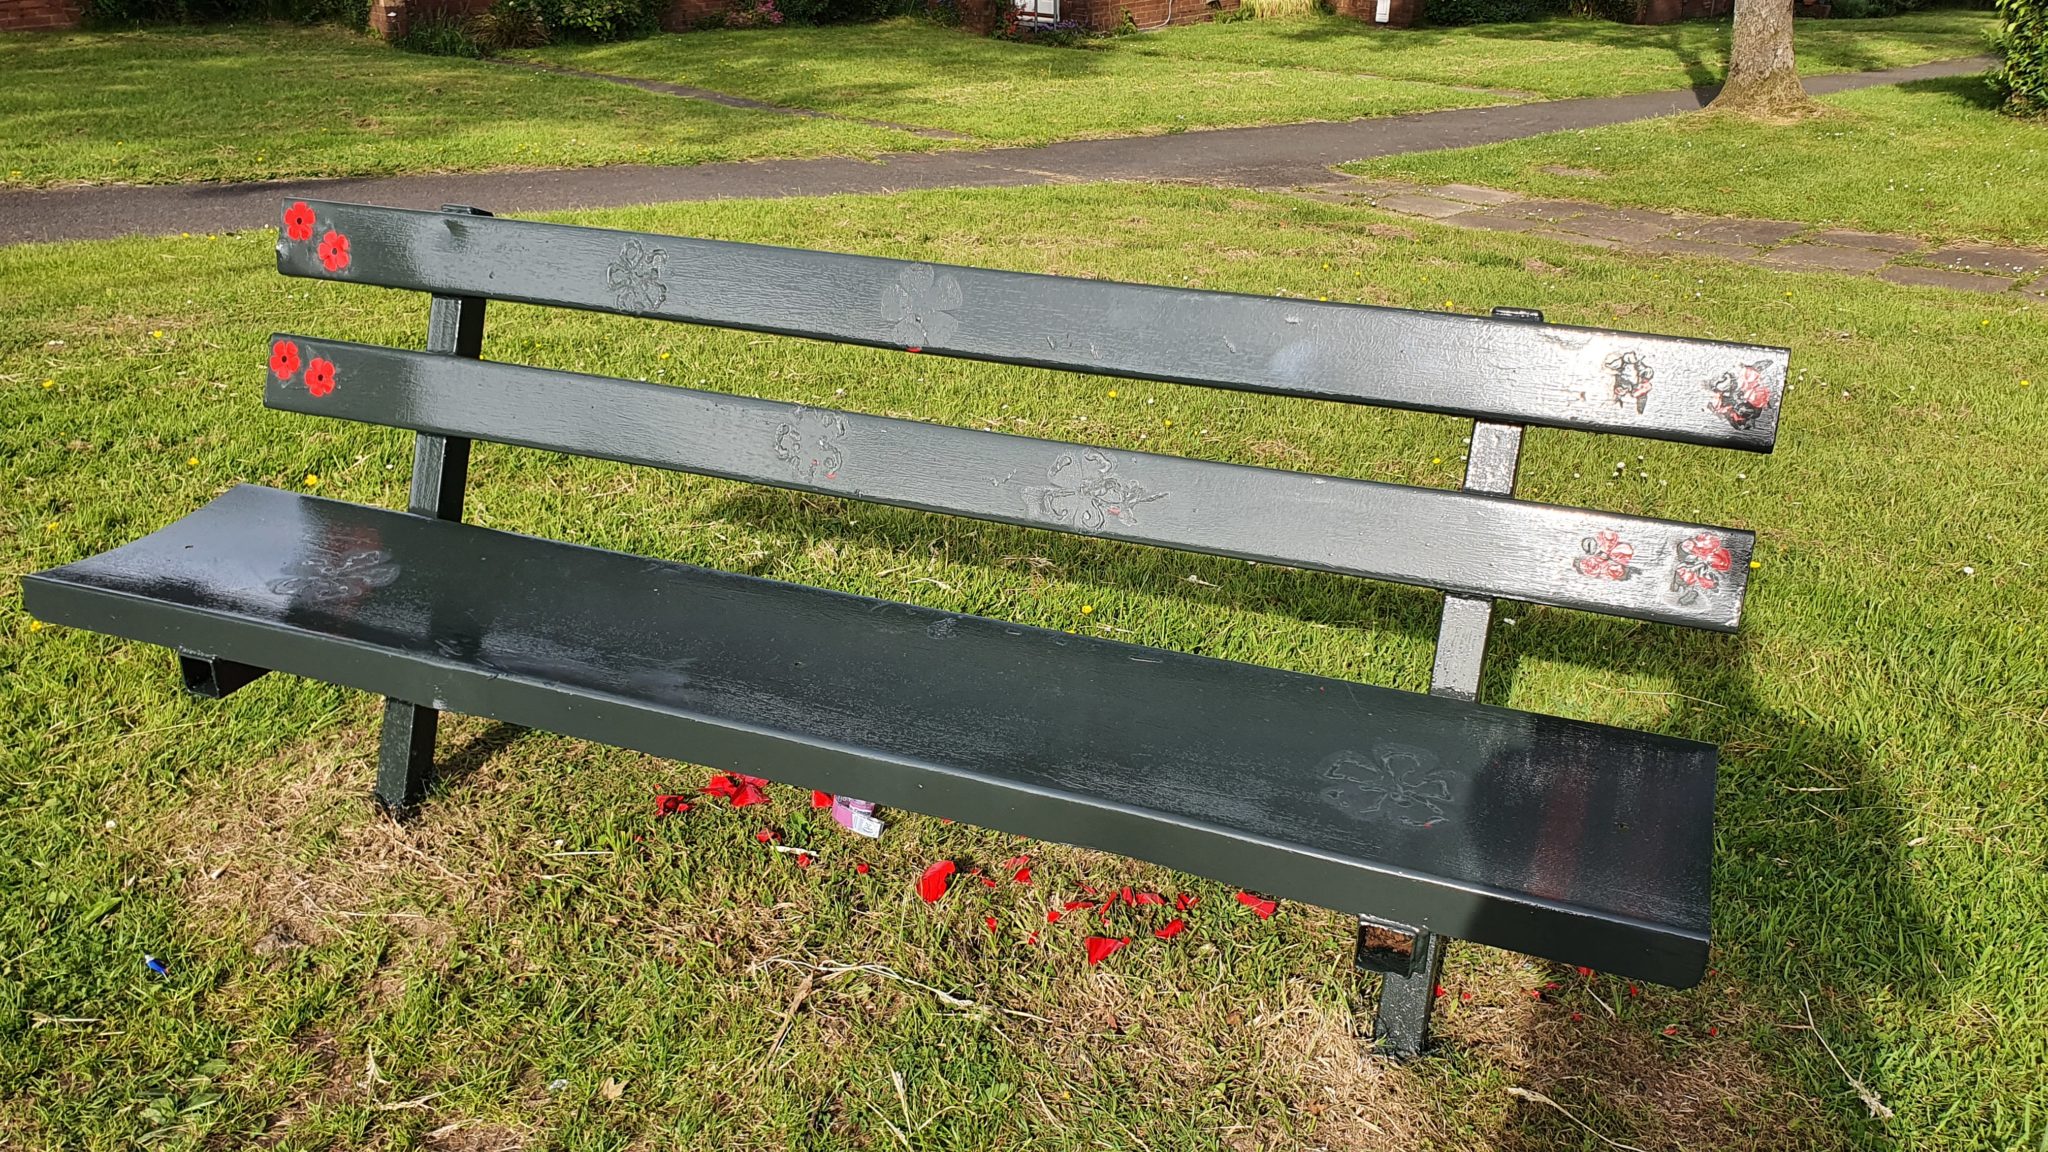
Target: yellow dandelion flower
pixel 156 334
pixel 1755 564
pixel 192 462
pixel 1087 609
pixel 312 480
pixel 35 625
pixel 1169 422
pixel 1436 460
pixel 50 527
pixel 1112 393
pixel 53 384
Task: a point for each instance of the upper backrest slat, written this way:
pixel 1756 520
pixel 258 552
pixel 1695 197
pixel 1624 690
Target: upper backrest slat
pixel 1480 545
pixel 1697 391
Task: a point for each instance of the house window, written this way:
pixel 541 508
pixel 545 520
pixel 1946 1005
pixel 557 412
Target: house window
pixel 1038 11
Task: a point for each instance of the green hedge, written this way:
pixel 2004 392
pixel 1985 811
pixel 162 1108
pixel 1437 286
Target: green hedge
pixel 106 13
pixel 2024 42
pixel 1455 13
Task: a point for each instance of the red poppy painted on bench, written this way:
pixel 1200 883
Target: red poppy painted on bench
pixel 1740 398
pixel 284 359
pixel 320 376
pixel 1607 556
pixel 333 251
pixel 298 221
pixel 1701 561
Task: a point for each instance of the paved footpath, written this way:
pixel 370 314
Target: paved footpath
pixel 1282 156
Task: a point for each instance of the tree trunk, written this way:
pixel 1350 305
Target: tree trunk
pixel 1763 81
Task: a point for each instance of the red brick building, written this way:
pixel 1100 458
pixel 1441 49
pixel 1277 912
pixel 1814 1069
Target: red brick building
pixel 19 15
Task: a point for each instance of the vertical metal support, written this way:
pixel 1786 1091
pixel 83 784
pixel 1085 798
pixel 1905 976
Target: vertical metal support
pixel 440 473
pixel 1401 1024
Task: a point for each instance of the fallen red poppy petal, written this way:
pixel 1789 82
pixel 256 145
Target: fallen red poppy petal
pixel 1439 991
pixel 1578 1016
pixel 861 867
pixel 988 882
pixel 749 794
pixel 767 835
pixel 1031 939
pixel 756 781
pixel 1712 1031
pixel 1075 905
pixel 1585 971
pixel 1464 995
pixel 1150 898
pixel 1535 993
pixel 1090 891
pixel 1015 862
pixel 1101 948
pixel 803 859
pixel 820 799
pixel 721 785
pixel 932 884
pixel 1126 894
pixel 1258 904
pixel 1052 915
pixel 1634 991
pixel 670 805
pixel 1023 876
pixel 1183 902
pixel 1671 1031
pixel 1173 928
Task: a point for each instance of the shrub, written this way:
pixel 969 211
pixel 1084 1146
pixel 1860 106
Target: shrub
pixel 592 19
pixel 504 28
pixel 1450 13
pixel 752 14
pixel 105 13
pixel 1276 9
pixel 2023 81
pixel 440 34
pixel 1059 33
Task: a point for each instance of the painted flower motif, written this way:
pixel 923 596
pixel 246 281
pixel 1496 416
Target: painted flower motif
pixel 1607 556
pixel 812 443
pixel 333 251
pixel 1632 378
pixel 920 307
pixel 1087 493
pixel 1740 398
pixel 347 578
pixel 635 278
pixel 284 359
pixel 320 376
pixel 1701 561
pixel 1397 782
pixel 298 221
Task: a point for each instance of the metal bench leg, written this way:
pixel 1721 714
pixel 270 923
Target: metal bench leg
pixel 1400 1026
pixel 405 763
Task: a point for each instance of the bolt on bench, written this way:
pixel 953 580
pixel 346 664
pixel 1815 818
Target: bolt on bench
pixel 1430 817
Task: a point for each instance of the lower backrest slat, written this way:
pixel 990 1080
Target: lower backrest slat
pixel 1461 542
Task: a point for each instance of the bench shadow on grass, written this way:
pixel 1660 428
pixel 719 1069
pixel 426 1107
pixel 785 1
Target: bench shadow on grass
pixel 1811 893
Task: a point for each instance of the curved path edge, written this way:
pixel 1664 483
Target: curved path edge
pixel 1279 156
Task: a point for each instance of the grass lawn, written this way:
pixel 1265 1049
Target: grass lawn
pixel 271 101
pixel 1931 158
pixel 539 961
pixel 1220 75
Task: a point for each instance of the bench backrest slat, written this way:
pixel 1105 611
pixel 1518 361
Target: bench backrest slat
pixel 1697 391
pixel 1477 544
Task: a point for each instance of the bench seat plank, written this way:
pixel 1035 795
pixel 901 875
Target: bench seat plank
pixel 1543 835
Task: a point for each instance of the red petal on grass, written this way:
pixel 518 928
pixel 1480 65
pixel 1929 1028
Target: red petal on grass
pixel 1173 928
pixel 1464 995
pixel 1015 862
pixel 1151 898
pixel 1585 971
pixel 721 785
pixel 1578 1016
pixel 1031 939
pixel 1052 915
pixel 820 799
pixel 1535 993
pixel 1075 905
pixel 1713 1031
pixel 1671 1031
pixel 990 921
pixel 1090 891
pixel 749 794
pixel 803 859
pixel 1634 991
pixel 1023 876
pixel 1126 894
pixel 861 867
pixel 1439 991
pixel 670 805
pixel 1258 904
pixel 1183 902
pixel 767 835
pixel 932 884
pixel 1101 948
pixel 988 882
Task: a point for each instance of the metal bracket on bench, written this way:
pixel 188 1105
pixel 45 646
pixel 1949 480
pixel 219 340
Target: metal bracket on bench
pixel 213 677
pixel 1413 959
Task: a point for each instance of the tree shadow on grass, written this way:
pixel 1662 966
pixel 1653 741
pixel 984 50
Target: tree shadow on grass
pixel 1812 894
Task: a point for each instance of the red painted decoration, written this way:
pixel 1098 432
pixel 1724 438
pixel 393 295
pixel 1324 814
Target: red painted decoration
pixel 320 376
pixel 298 221
pixel 333 251
pixel 284 359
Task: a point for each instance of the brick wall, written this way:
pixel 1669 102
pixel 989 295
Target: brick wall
pixel 19 15
pixel 1108 15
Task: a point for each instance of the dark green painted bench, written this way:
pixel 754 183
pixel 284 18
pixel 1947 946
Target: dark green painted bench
pixel 1430 817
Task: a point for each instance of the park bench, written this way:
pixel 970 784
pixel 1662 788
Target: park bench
pixel 1430 817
